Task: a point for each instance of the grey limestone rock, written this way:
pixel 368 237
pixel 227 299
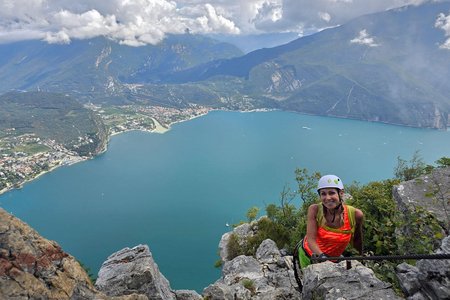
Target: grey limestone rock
pixel 223 251
pixel 187 295
pixel 264 277
pixel 270 276
pixel 268 252
pixel 242 231
pixel 133 271
pixel 431 191
pixel 329 280
pixel 429 279
pixel 218 291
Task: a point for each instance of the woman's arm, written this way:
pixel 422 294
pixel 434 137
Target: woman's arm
pixel 358 236
pixel 311 229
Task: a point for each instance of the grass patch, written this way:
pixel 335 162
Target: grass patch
pixel 31 149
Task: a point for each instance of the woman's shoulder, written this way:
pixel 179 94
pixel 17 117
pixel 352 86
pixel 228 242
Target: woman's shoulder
pixel 313 208
pixel 359 215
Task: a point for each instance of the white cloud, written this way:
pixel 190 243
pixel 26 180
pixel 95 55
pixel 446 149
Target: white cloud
pixel 443 22
pixel 57 37
pixel 218 22
pixel 364 39
pixel 325 16
pixel 131 22
pixel 343 1
pixel 137 22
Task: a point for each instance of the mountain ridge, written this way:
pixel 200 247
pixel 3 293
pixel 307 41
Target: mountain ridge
pixel 384 67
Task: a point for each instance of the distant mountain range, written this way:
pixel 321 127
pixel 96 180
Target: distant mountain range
pixel 386 67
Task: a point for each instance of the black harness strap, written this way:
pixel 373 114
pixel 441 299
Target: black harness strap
pixel 297 266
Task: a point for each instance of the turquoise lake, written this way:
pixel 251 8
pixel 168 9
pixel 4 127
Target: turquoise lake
pixel 176 191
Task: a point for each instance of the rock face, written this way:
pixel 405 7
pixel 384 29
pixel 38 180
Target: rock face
pixel 431 192
pixel 429 279
pixel 268 276
pixel 242 231
pixel 329 280
pixel 133 270
pixel 36 268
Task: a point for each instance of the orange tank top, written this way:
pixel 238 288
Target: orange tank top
pixel 332 243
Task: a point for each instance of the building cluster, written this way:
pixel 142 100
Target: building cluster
pixel 138 117
pixel 16 167
pixel 170 115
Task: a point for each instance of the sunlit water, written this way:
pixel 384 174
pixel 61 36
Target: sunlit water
pixel 176 191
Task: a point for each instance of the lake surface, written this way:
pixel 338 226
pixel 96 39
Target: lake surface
pixel 176 191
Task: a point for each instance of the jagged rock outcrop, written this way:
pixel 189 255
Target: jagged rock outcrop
pixel 330 280
pixel 36 268
pixel 429 279
pixel 268 276
pixel 134 271
pixel 431 191
pixel 243 232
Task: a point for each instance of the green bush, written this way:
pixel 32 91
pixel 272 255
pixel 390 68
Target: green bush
pixel 443 162
pixel 218 263
pixel 380 215
pixel 249 285
pixel 234 249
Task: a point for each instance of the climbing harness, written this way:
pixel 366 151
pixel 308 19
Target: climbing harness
pixel 297 268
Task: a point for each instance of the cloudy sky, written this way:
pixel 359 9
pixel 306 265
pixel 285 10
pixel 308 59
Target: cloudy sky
pixel 140 22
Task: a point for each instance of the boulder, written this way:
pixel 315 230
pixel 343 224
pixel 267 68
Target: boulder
pixel 187 295
pixel 243 232
pixel 264 277
pixel 133 271
pixel 268 252
pixel 431 191
pixel 330 280
pixel 429 279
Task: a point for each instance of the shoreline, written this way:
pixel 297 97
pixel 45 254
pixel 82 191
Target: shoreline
pixel 74 160
pixel 159 129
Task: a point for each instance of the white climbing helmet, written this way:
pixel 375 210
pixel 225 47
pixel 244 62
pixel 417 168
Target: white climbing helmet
pixel 330 181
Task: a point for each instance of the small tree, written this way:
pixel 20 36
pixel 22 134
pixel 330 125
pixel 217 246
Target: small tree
pixel 234 248
pixel 252 213
pixel 307 191
pixel 443 162
pixel 408 170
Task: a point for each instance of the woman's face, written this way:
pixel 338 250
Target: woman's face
pixel 330 197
